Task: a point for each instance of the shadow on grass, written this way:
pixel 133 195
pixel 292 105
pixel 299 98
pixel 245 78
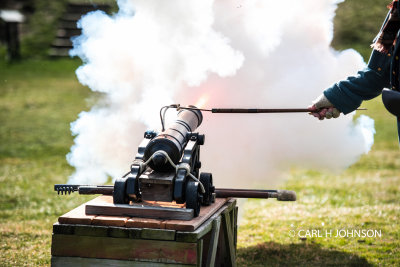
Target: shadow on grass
pixel 304 254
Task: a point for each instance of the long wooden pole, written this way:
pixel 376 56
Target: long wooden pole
pixel 262 110
pixel 253 110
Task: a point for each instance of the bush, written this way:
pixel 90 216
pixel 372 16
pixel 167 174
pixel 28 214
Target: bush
pixel 357 22
pixel 41 27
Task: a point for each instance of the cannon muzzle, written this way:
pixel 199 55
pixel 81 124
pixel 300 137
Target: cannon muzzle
pixel 173 140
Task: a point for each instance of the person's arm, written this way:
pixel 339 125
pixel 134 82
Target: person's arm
pixel 347 95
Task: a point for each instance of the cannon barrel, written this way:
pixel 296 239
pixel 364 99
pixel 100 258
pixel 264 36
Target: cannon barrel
pixel 173 139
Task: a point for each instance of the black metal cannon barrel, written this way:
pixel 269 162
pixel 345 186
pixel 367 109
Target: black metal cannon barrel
pixel 173 139
pixel 281 195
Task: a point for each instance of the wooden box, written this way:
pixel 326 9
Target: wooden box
pixel 90 240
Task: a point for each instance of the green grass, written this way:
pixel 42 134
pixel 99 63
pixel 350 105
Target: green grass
pixel 38 100
pixel 365 196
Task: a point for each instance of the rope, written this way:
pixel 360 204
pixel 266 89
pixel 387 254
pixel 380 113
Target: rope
pixel 182 166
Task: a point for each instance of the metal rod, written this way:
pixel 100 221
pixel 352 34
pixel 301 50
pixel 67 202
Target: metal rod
pixel 244 193
pixel 282 195
pixel 94 190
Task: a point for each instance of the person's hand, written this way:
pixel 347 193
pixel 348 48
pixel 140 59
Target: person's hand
pixel 321 108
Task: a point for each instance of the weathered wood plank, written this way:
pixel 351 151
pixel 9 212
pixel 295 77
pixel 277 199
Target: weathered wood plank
pixel 227 227
pixel 199 252
pixel 205 213
pixel 202 230
pixel 232 202
pixel 76 216
pixel 136 210
pixel 63 229
pixel 236 226
pixel 135 233
pixel 90 230
pixel 145 223
pixel 118 232
pixel 124 249
pixel 109 199
pixel 110 221
pixel 196 234
pixel 158 234
pixel 90 262
pixel 172 204
pixel 212 249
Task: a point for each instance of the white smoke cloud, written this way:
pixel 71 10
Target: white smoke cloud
pixel 252 53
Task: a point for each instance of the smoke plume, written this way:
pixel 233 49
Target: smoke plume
pixel 250 54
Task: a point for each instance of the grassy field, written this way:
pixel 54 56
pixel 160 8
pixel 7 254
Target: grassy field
pixel 366 196
pixel 38 100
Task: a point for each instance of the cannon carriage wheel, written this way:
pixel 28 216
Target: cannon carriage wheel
pixel 207 181
pixel 119 192
pixel 193 197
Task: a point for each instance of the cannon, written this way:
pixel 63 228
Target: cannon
pixel 167 168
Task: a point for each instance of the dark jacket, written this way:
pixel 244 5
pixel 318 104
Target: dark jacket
pixel 382 71
pixel 348 94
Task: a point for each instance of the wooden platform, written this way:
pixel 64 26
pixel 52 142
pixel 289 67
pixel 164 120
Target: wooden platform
pixel 91 240
pixel 79 216
pixel 146 209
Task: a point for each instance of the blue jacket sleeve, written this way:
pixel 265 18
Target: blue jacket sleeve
pixel 348 94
